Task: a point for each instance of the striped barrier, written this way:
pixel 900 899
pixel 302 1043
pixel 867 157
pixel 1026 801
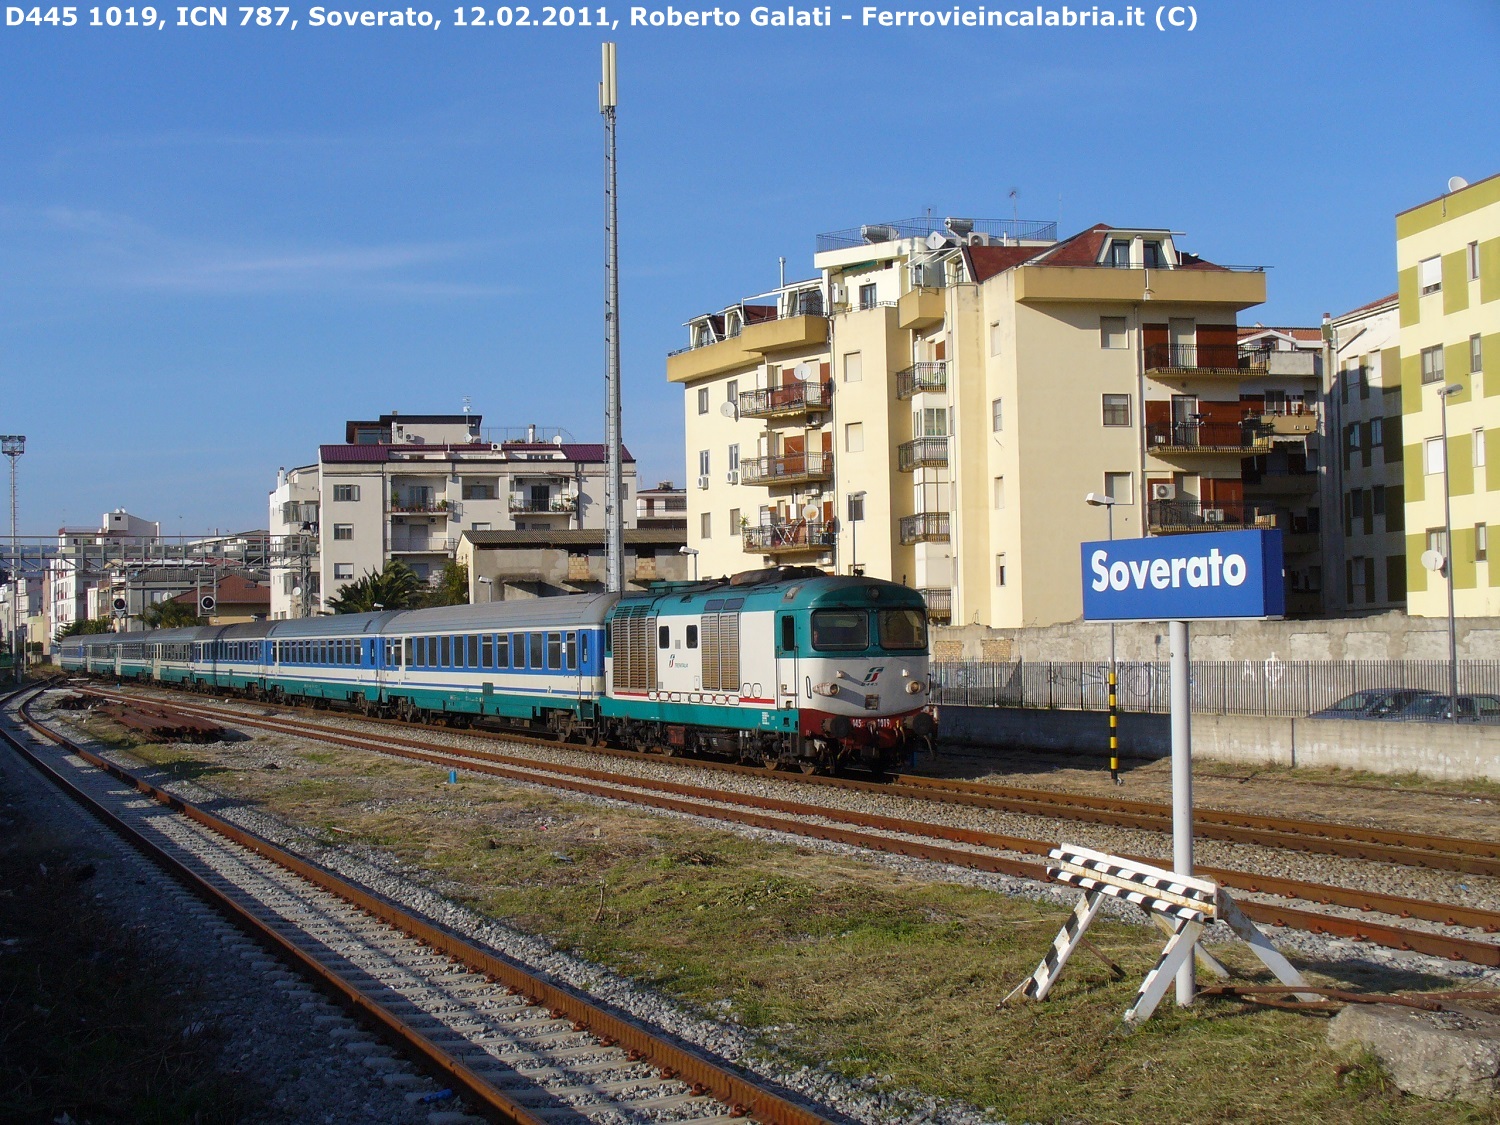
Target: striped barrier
pixel 1181 905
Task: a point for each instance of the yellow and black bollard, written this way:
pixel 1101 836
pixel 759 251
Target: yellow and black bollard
pixel 1114 729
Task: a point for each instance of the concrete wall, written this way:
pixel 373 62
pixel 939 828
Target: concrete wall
pixel 1386 636
pixel 1444 752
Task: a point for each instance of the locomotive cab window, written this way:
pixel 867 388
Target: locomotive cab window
pixel 902 629
pixel 788 634
pixel 692 636
pixel 664 637
pixel 840 629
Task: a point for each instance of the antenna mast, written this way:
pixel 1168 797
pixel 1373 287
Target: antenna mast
pixel 614 512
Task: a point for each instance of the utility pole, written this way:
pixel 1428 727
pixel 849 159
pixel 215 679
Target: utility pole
pixel 614 510
pixel 13 445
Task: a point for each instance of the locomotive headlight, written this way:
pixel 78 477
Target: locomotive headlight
pixel 828 689
pixel 916 687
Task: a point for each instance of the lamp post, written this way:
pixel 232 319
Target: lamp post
pixel 13 445
pixel 694 552
pixel 490 582
pixel 1444 394
pixel 1096 500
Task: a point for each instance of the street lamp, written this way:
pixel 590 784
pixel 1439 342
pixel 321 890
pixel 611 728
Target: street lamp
pixel 490 582
pixel 1444 393
pixel 1097 500
pixel 694 552
pixel 13 445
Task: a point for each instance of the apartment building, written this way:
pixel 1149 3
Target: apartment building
pixel 934 406
pixel 77 566
pixel 1364 486
pixel 1448 294
pixel 406 487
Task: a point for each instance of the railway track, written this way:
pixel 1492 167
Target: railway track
pixel 520 1049
pixel 976 850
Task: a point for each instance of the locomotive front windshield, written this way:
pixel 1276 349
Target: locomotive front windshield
pixel 835 629
pixel 903 629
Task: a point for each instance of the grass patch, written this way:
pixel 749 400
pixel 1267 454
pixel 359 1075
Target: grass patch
pixel 835 960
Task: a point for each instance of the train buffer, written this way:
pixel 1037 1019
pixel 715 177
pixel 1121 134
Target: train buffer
pixel 1181 905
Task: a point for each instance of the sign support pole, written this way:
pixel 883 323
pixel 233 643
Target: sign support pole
pixel 1182 779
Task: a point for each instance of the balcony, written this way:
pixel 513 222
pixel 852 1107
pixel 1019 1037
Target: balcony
pixel 788 468
pixel 925 527
pixel 554 505
pixel 1238 438
pixel 922 453
pixel 939 603
pixel 1193 359
pixel 1288 423
pixel 789 538
pixel 415 507
pixel 921 377
pixel 434 546
pixel 1291 364
pixel 802 328
pixel 1165 517
pixel 1281 482
pixel 920 308
pixel 786 402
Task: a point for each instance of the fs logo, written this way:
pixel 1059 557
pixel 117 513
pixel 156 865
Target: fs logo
pixel 873 674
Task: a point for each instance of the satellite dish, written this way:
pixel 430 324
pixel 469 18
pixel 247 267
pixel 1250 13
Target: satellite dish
pixel 935 241
pixel 801 372
pixel 810 511
pixel 296 591
pixel 728 409
pixel 1433 560
pixel 1457 183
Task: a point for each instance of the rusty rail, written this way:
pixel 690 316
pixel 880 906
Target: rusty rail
pixel 743 1096
pixel 798 818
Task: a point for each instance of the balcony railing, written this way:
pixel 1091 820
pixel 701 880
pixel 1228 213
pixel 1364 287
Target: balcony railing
pixel 553 504
pixel 1192 357
pixel 787 468
pixel 418 507
pixel 1205 437
pixel 438 545
pixel 939 603
pixel 1191 515
pixel 926 527
pixel 922 453
pixel 920 377
pixel 778 538
pixel 795 398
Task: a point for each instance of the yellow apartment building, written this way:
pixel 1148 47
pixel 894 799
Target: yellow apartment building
pixel 1448 288
pixel 934 406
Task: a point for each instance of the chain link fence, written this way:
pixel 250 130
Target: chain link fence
pixel 1275 688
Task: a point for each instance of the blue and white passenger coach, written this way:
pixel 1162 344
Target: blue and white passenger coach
pixel 784 666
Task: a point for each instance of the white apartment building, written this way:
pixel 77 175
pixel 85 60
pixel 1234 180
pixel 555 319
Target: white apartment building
pixel 407 487
pixel 1367 562
pixel 935 405
pixel 77 567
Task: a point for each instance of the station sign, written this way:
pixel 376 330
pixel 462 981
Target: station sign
pixel 1198 577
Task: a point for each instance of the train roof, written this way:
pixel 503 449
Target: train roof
pixel 531 613
pixel 777 588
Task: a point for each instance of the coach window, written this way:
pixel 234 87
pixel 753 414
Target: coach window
pixel 502 650
pixel 432 652
pixel 445 652
pixel 487 652
pixel 554 651
pixel 474 651
pixel 583 649
pixel 692 636
pixel 570 652
pixel 534 655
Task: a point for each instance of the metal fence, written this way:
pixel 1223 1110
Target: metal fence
pixel 1280 688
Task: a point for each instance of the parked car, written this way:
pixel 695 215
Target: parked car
pixel 1377 704
pixel 1437 708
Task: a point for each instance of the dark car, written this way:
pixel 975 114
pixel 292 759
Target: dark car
pixel 1438 708
pixel 1378 704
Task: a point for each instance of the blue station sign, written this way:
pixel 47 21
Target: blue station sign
pixel 1199 577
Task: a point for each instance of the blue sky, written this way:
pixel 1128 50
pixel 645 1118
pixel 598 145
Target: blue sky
pixel 218 244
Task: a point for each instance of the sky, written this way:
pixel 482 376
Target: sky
pixel 219 243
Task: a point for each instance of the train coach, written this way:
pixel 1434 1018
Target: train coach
pixel 781 667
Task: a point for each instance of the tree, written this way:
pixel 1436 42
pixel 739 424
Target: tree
pixel 394 587
pixel 452 587
pixel 169 614
pixel 89 626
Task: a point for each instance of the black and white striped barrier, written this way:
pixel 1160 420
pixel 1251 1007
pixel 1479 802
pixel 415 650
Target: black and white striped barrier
pixel 1182 905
